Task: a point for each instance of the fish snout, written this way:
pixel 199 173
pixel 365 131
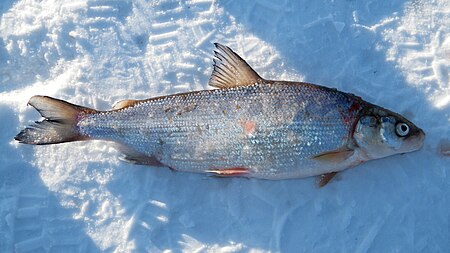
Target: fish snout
pixel 415 141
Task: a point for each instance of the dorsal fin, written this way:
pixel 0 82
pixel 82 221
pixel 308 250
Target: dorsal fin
pixel 230 70
pixel 125 103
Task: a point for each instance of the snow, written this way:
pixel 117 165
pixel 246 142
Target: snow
pixel 78 197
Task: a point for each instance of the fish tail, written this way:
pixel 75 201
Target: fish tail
pixel 59 124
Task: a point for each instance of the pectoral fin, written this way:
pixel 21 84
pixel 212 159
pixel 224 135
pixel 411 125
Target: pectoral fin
pixel 335 156
pixel 230 70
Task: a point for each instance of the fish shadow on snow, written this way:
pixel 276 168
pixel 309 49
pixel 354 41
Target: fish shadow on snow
pixel 182 211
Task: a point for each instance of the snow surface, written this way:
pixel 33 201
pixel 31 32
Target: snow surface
pixel 78 197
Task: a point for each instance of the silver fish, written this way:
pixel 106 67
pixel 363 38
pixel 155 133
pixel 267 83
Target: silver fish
pixel 248 127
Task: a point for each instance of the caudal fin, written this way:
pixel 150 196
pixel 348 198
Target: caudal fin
pixel 59 123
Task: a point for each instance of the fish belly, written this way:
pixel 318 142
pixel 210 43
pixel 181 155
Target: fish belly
pixel 272 130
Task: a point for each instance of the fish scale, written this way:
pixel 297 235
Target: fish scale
pixel 284 136
pixel 248 126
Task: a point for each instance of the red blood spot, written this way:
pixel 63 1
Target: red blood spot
pixel 249 127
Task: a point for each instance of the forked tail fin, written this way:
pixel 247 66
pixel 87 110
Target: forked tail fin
pixel 59 123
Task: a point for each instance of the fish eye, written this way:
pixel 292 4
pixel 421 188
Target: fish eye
pixel 401 129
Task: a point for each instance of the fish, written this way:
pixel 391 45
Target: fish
pixel 244 126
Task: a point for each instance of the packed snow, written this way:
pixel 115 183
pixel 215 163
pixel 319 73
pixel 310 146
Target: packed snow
pixel 78 197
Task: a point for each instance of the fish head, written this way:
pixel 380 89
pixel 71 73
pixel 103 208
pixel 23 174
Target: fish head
pixel 380 133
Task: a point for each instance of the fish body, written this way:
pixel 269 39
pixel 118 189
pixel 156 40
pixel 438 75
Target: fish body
pixel 269 128
pixel 248 127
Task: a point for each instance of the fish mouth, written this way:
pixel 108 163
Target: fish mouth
pixel 415 141
pixel 421 137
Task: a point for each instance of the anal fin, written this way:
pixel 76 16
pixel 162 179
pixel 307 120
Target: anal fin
pixel 142 160
pixel 133 156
